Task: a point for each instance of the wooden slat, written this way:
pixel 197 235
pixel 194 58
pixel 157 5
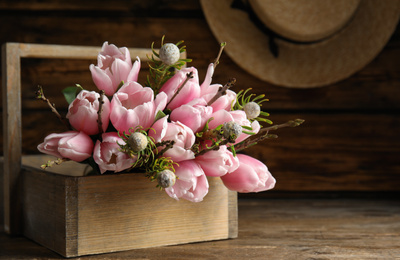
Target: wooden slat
pixel 375 87
pixel 334 152
pixel 11 90
pixel 46 51
pixel 120 6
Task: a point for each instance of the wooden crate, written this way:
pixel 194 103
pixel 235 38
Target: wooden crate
pixel 75 215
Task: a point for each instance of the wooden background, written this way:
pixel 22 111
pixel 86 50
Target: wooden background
pixel 349 143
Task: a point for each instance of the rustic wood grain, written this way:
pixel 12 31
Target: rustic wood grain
pixel 369 100
pixel 275 229
pixel 11 91
pixel 148 8
pixel 336 152
pixel 375 87
pixel 74 215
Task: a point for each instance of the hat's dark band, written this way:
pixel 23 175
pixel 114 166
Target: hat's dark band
pixel 244 5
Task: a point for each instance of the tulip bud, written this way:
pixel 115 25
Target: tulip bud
pixel 166 178
pixel 137 142
pixel 252 110
pixel 231 130
pixel 169 53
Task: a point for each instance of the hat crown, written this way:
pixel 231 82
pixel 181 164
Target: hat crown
pixel 305 20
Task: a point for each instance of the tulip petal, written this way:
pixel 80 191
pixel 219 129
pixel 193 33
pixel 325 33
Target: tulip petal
pixel 101 80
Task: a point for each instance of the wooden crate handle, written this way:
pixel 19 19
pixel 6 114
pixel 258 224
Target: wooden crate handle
pixel 12 142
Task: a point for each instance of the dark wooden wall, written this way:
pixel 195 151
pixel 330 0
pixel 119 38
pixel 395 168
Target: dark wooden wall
pixel 349 143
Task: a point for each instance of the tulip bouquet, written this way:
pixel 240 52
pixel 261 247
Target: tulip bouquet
pixel 174 129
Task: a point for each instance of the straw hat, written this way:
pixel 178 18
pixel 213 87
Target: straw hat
pixel 302 43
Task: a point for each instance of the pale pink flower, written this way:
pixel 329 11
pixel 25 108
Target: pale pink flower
pixel 182 135
pixel 194 114
pixel 217 163
pixel 251 176
pixel 83 112
pixel 223 102
pixel 73 145
pixel 134 105
pixel 191 183
pixel 208 91
pixel 208 78
pixel 114 65
pixel 108 155
pixel 238 116
pixel 189 91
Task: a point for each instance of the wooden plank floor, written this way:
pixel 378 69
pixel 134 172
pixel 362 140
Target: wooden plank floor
pixel 275 229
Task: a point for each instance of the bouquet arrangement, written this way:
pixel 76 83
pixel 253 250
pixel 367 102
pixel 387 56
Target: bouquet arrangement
pixel 175 129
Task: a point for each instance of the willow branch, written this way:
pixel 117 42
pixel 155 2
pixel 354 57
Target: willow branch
pixel 40 95
pixel 221 48
pixel 222 91
pixel 100 111
pixel 51 163
pixel 263 134
pixel 290 123
pixel 188 77
pixel 213 148
pixel 168 145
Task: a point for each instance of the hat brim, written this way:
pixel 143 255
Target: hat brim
pixel 304 65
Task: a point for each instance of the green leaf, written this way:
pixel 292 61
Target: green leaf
pixel 70 93
pixel 264 113
pixel 233 150
pixel 219 127
pixel 160 114
pixel 247 127
pixel 249 133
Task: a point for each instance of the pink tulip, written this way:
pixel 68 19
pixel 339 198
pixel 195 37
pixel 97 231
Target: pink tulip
pixel 82 112
pixel 223 102
pixel 73 145
pixel 208 91
pixel 251 176
pixel 191 183
pixel 238 116
pixel 134 105
pixel 108 155
pixel 189 91
pixel 218 163
pixel 182 135
pixel 114 65
pixel 194 114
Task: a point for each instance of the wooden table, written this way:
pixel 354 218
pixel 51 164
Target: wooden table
pixel 275 229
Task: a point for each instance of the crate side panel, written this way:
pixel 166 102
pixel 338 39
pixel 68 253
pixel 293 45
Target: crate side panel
pixel 44 209
pixel 127 211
